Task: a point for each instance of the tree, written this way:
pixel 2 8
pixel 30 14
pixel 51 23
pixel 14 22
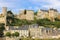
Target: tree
pixel 9 17
pixel 8 34
pixel 16 34
pixel 35 13
pixel 10 14
pixel 1 34
pixel 29 34
pixel 56 19
pixel 2 28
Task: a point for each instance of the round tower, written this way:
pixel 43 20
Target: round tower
pixel 4 11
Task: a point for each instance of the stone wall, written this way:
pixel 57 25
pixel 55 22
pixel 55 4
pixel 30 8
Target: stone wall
pixel 23 33
pixel 29 15
pixel 2 20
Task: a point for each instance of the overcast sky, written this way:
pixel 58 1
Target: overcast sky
pixel 16 5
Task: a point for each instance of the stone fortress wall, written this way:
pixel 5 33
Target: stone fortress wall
pixel 41 14
pixel 29 14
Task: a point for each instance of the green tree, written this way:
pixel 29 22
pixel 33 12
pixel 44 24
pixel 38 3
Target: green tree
pixel 9 17
pixel 8 34
pixel 2 28
pixel 10 14
pixel 16 34
pixel 35 13
pixel 56 19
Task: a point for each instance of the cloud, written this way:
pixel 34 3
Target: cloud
pixel 13 5
pixel 4 4
pixel 16 5
pixel 47 3
pixel 53 4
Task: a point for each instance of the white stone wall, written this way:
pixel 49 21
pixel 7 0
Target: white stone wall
pixel 29 15
pixel 22 16
pixel 41 14
pixel 51 13
pixel 21 32
pixel 35 32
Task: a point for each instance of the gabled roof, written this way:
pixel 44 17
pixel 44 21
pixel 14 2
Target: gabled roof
pixel 53 9
pixel 25 27
pixel 44 10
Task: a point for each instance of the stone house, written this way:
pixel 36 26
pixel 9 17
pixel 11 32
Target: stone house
pixel 23 31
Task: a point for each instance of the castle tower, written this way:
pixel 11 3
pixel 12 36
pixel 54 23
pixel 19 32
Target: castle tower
pixel 41 14
pixel 51 14
pixel 4 11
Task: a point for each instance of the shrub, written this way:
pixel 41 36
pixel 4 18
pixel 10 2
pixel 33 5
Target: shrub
pixel 15 34
pixel 8 34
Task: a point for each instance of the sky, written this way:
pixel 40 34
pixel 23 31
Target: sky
pixel 17 5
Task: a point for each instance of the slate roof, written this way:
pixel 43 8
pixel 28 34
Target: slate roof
pixel 34 26
pixel 24 27
pixel 19 28
pixel 54 9
pixel 44 10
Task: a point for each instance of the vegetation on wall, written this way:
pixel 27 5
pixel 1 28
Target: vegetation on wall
pixel 48 23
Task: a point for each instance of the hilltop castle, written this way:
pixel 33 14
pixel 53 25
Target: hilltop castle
pixel 29 14
pixel 35 30
pixel 41 14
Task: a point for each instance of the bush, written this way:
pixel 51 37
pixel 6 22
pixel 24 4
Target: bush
pixel 8 34
pixel 15 34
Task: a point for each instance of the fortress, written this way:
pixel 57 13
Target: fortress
pixel 29 14
pixel 41 14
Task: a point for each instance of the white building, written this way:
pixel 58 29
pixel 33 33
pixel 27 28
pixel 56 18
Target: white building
pixel 34 31
pixel 23 30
